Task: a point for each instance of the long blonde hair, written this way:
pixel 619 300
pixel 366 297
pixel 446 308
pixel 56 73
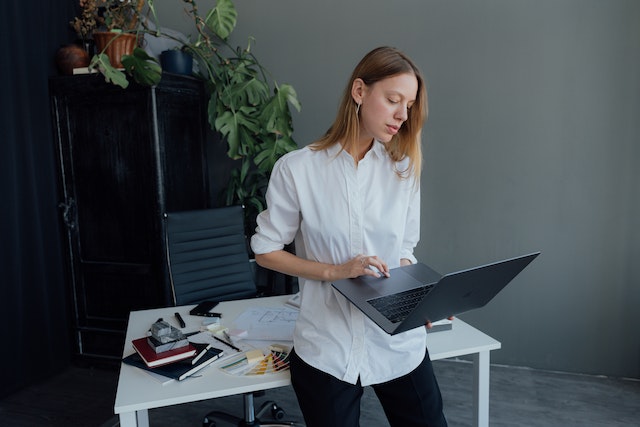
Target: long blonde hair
pixel 379 64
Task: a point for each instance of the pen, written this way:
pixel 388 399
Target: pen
pixel 180 320
pixel 199 356
pixel 227 343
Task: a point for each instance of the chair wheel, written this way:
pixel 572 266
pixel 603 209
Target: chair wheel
pixel 208 423
pixel 277 412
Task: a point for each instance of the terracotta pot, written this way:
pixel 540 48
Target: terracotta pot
pixel 116 45
pixel 69 57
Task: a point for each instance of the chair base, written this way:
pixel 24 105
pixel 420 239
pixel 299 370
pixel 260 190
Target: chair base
pixel 251 418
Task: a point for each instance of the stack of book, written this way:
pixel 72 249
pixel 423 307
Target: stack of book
pixel 175 362
pixel 166 353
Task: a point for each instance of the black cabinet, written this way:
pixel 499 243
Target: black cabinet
pixel 125 156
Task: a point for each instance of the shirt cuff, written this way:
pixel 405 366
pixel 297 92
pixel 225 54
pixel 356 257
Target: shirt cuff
pixel 262 245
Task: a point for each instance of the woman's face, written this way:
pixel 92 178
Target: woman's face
pixel 385 106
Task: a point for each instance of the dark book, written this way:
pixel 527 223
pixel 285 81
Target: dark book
pixel 181 369
pixel 153 359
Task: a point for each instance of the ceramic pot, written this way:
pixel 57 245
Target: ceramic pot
pixel 115 45
pixel 69 57
pixel 176 62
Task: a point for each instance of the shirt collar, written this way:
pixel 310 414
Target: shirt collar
pixel 378 148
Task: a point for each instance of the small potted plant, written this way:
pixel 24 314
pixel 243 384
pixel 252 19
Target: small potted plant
pixel 112 24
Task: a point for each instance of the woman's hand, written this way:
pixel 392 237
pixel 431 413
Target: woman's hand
pixel 291 264
pixel 364 265
pixel 429 325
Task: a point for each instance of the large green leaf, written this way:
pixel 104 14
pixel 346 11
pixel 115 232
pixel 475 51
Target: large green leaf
pixel 287 92
pixel 250 93
pixel 222 18
pixel 238 83
pixel 276 115
pixel 272 148
pixel 111 74
pixel 263 159
pixel 241 68
pixel 234 126
pixel 145 69
pixel 227 125
pixel 244 170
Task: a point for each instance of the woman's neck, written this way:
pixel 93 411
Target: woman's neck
pixel 360 149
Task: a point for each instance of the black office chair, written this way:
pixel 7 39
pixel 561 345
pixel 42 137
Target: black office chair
pixel 208 258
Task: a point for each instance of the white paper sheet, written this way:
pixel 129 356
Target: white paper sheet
pixel 268 323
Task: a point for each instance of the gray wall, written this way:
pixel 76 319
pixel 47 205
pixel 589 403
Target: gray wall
pixel 531 144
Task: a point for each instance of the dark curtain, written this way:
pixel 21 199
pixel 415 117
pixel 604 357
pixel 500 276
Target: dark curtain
pixel 36 333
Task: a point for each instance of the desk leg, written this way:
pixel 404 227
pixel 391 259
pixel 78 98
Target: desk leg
pixel 143 416
pixel 481 368
pixel 135 419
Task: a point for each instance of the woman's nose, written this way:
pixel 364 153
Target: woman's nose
pixel 402 113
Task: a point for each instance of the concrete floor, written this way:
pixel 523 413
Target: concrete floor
pixel 519 397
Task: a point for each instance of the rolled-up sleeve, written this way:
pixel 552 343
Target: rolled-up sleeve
pixel 279 223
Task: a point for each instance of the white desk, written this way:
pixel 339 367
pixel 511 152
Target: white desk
pixel 464 339
pixel 138 392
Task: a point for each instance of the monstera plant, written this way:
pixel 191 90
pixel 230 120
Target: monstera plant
pixel 246 107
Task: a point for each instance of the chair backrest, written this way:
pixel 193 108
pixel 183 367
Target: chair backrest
pixel 207 255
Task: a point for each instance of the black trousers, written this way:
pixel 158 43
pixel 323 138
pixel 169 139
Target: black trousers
pixel 413 400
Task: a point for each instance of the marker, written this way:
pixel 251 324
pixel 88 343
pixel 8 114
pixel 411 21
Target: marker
pixel 180 320
pixel 199 356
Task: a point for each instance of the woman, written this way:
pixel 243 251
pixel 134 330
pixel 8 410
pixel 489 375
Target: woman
pixel 354 198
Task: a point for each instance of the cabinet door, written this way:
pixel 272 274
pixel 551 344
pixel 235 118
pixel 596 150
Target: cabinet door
pixel 126 156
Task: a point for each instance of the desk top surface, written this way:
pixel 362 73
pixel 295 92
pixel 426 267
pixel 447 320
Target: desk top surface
pixel 137 390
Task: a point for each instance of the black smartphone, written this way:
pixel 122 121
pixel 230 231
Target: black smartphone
pixel 204 309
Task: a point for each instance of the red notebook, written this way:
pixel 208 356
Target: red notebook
pixel 153 359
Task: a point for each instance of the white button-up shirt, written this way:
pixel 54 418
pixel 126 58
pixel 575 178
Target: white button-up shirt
pixel 343 211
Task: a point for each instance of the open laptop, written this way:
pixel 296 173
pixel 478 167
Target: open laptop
pixel 416 293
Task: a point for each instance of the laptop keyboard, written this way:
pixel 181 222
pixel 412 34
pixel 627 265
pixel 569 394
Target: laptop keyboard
pixel 396 307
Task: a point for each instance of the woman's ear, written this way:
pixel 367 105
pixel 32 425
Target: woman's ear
pixel 357 90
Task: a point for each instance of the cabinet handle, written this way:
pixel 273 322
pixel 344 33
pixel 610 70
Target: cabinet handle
pixel 69 213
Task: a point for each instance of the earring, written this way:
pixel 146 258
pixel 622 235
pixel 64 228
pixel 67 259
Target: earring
pixel 358 109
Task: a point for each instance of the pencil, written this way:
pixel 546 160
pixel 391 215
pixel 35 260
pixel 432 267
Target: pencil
pixel 227 343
